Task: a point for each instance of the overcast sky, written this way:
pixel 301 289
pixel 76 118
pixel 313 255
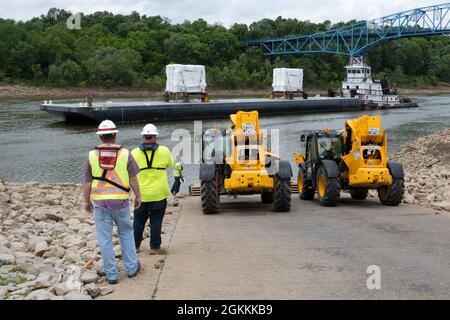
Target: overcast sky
pixel 225 12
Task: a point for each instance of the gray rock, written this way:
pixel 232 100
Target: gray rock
pixel 27 285
pixel 104 290
pixel 42 281
pixel 55 251
pixel 24 256
pixel 117 251
pixel 27 226
pixel 40 248
pixel 92 290
pixel 16 207
pixel 76 296
pixel 408 198
pixel 73 221
pixel 445 205
pixel 21 292
pixel 10 223
pixel 72 257
pixel 40 294
pixel 7 258
pixel 5 198
pixel 64 288
pixel 44 214
pixel 88 255
pixel 11 288
pixel 3 291
pixel 38 269
pixel 89 277
pixel 430 197
pixel 16 196
pixel 72 241
pixel 4 242
pixel 92 244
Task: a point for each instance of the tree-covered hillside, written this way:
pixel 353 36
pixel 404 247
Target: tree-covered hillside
pixel 132 51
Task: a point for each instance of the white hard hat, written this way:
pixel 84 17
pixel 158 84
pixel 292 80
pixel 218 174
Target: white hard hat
pixel 107 127
pixel 149 130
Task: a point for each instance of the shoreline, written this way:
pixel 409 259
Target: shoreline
pixel 49 251
pixel 45 236
pixel 18 91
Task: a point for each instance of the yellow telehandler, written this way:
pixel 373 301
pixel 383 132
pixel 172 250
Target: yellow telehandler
pixel 235 162
pixel 353 159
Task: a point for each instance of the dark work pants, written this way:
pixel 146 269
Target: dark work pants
pixel 176 185
pixel 155 211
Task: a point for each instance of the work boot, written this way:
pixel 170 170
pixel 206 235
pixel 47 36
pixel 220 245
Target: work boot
pixel 112 281
pixel 159 251
pixel 137 270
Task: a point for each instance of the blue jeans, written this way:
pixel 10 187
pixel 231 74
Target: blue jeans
pixel 176 185
pixel 155 211
pixel 104 221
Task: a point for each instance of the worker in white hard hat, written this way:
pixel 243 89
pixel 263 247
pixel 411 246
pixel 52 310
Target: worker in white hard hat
pixel 153 160
pixel 110 173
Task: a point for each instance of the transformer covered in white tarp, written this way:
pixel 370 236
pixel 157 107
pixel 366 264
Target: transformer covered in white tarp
pixel 185 78
pixel 287 80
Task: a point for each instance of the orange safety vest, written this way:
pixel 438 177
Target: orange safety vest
pixel 109 168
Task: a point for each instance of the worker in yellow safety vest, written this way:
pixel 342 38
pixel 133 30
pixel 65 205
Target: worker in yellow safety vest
pixel 153 160
pixel 177 176
pixel 110 173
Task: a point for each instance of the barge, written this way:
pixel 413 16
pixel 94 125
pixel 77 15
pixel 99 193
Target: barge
pixel 154 111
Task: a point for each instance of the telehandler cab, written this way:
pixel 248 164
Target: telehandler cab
pixel 235 162
pixel 353 159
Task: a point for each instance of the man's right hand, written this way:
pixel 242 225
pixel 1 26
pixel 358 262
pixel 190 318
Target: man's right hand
pixel 137 203
pixel 88 207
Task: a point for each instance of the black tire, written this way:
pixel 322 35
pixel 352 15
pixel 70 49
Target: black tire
pixel 282 195
pixel 329 196
pixel 267 197
pixel 393 194
pixel 305 190
pixel 210 197
pixel 359 194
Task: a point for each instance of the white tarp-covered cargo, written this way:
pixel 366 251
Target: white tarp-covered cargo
pixel 185 78
pixel 287 80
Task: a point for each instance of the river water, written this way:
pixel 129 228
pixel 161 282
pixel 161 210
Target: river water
pixel 39 147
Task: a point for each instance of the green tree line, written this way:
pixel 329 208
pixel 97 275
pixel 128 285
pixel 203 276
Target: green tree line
pixel 113 50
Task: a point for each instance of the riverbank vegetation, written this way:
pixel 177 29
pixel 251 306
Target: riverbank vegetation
pixel 132 51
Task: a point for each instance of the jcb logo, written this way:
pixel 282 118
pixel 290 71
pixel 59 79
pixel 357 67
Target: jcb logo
pixel 374 280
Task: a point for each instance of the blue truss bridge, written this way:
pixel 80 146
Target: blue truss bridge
pixel 355 39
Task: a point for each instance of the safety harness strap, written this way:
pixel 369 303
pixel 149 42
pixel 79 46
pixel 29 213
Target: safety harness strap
pixel 150 162
pixel 103 178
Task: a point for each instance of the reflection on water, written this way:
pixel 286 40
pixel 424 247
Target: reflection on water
pixel 38 146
